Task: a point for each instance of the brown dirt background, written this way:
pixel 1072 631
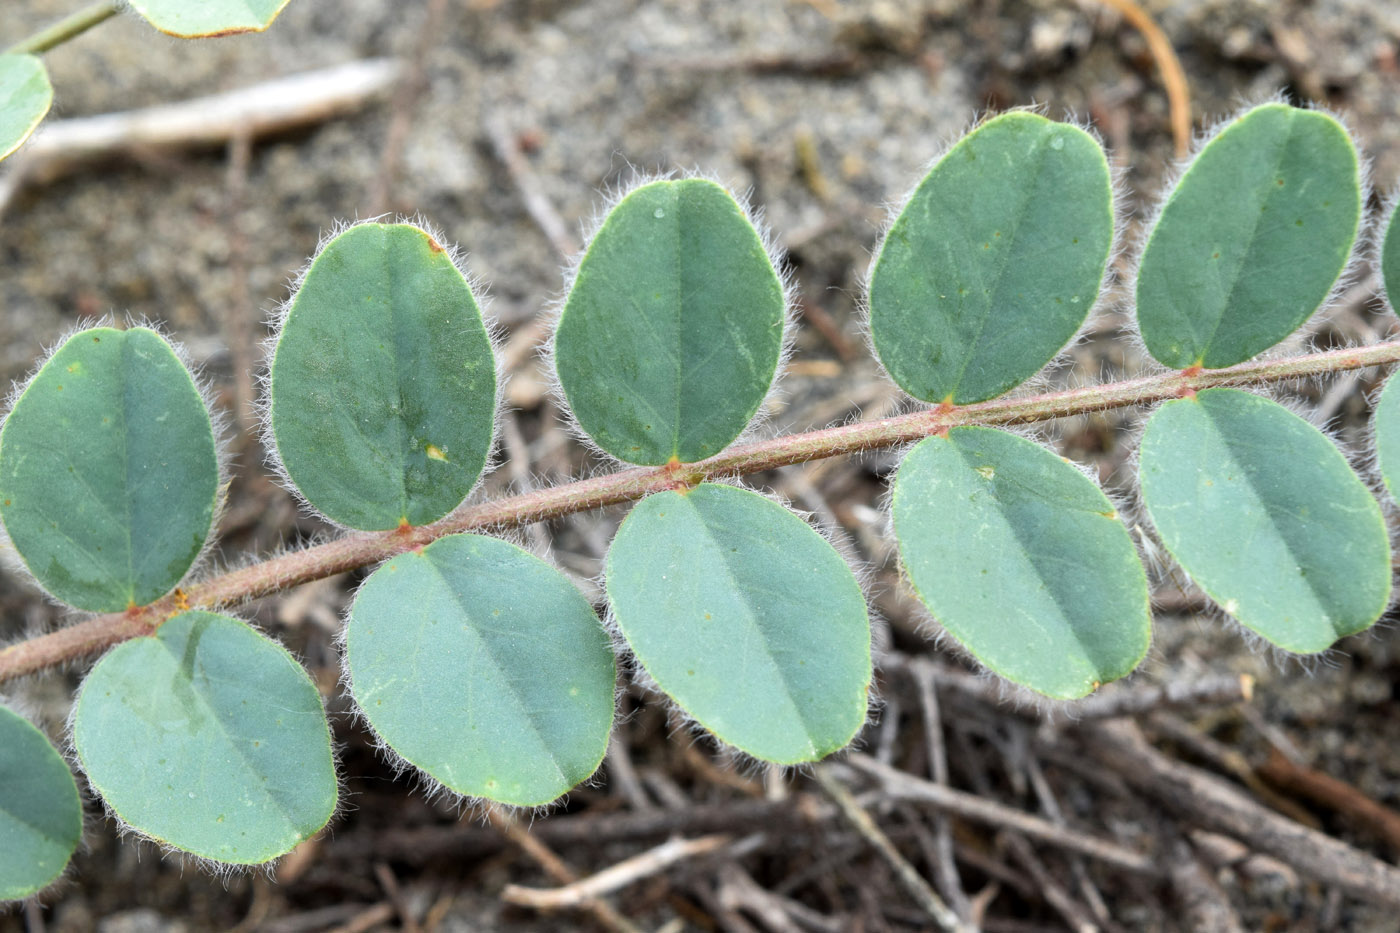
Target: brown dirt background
pixel 825 111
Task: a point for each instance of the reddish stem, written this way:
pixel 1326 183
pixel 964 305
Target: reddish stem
pixel 361 549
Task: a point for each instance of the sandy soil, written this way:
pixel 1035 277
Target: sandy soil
pixel 825 111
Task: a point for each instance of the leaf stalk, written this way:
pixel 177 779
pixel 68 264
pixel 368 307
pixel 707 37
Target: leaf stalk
pixel 70 27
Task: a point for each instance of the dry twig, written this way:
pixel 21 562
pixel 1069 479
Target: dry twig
pixel 1210 802
pixel 1173 75
pixel 406 94
pixel 903 786
pixel 651 862
pixel 367 919
pixel 1219 690
pixel 1206 908
pixel 271 107
pixel 555 867
pixel 1074 916
pixel 909 879
pixel 387 880
pixel 945 869
pixel 1333 793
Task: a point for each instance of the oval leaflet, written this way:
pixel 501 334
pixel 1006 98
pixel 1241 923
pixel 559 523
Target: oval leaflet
pixel 1251 240
pixel 746 617
pixel 108 473
pixel 995 261
pixel 672 331
pixel 383 384
pixel 1268 518
pixel 485 667
pixel 1022 559
pixel 41 817
pixel 25 97
pixel 208 737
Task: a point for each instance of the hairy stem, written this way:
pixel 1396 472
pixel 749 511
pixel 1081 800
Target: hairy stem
pixel 360 550
pixel 70 27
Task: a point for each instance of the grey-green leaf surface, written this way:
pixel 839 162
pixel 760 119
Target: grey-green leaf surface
pixel 108 472
pixel 199 19
pixel 41 817
pixel 1265 514
pixel 383 389
pixel 1385 425
pixel 746 617
pixel 1390 258
pixel 210 738
pixel 672 331
pixel 485 667
pixel 995 261
pixel 1023 560
pixel 25 97
pixel 1251 240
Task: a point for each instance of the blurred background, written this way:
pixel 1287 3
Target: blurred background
pixel 505 126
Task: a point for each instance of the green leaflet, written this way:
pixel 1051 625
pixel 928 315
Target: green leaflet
pixel 41 818
pixel 995 261
pixel 673 328
pixel 1251 240
pixel 1264 512
pixel 746 617
pixel 210 738
pixel 485 667
pixel 205 18
pixel 1023 560
pixel 25 96
pixel 1386 425
pixel 383 383
pixel 108 474
pixel 1390 258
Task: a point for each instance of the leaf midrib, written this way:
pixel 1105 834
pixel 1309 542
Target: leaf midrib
pixel 1244 255
pixel 1245 468
pixel 487 650
pixel 1035 560
pixel 1028 194
pixel 750 617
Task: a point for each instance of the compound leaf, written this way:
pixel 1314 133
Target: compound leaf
pixel 1264 512
pixel 25 97
pixel 672 331
pixel 995 261
pixel 207 18
pixel 746 617
pixel 485 667
pixel 1386 424
pixel 210 738
pixel 108 472
pixel 41 817
pixel 1023 560
pixel 1252 239
pixel 383 382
